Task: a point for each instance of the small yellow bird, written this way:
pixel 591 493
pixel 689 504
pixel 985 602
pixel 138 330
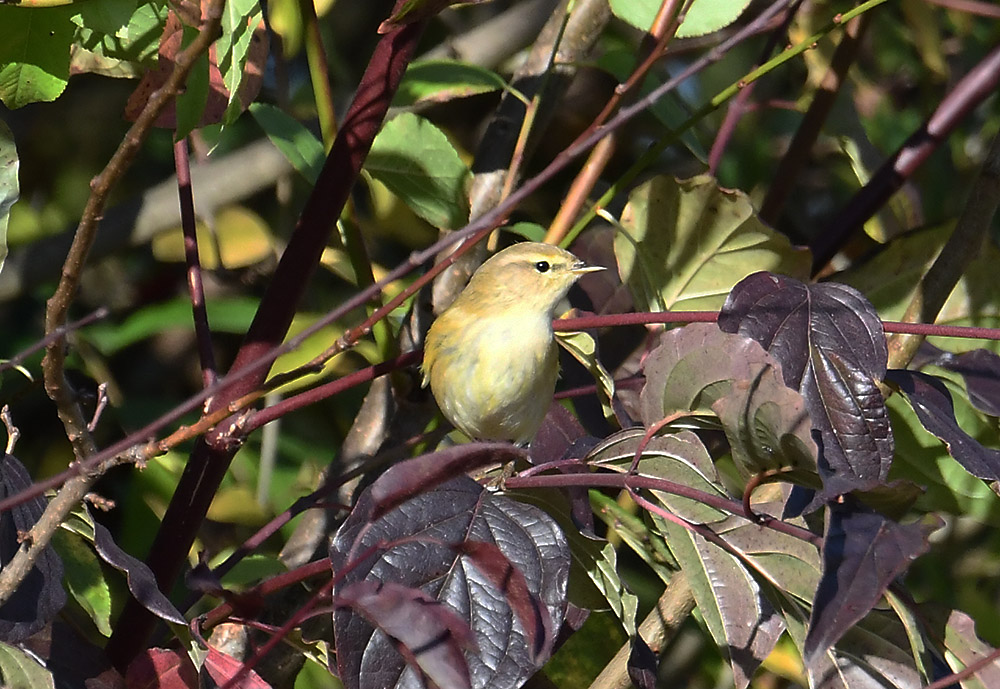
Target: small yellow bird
pixel 491 357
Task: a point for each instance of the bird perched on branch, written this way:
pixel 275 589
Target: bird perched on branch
pixel 491 357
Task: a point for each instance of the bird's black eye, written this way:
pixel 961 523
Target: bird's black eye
pixel 542 266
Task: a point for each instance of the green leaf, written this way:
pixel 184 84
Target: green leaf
pixel 584 349
pixel 226 315
pixel 605 576
pixel 300 146
pixel 125 51
pixel 239 20
pixel 533 232
pixel 684 245
pixel 437 81
pixel 9 188
pixel 635 533
pixel 18 670
pixel 890 279
pixel 415 160
pixel 109 17
pixel 704 16
pixel 742 621
pixel 679 457
pixel 84 578
pixel 34 54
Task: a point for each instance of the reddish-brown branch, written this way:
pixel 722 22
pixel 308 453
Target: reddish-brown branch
pixel 196 289
pixel 980 83
pixel 812 123
pixel 212 455
pixel 631 481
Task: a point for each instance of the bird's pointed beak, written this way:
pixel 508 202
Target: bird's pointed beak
pixel 581 268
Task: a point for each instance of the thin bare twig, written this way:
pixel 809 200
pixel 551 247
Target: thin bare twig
pixel 654 45
pixel 12 431
pixel 57 334
pixel 58 306
pixel 740 105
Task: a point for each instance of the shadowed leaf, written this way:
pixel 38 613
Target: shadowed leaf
pixel 980 368
pixel 141 581
pixel 862 553
pixel 40 596
pixel 740 618
pixel 699 368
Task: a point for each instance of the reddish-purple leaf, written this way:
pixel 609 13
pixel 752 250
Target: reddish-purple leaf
pixel 40 596
pixel 222 668
pixel 932 403
pixel 421 474
pixel 141 581
pixel 415 545
pixel 160 668
pixel 862 553
pixel 832 349
pixel 430 635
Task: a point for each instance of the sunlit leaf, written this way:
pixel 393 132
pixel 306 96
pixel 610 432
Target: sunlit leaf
pixel 437 81
pixel 417 162
pixel 703 16
pixel 34 55
pixel 686 243
pixel 9 188
pixel 415 541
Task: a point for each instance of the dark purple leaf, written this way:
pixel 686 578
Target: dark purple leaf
pixel 420 474
pixel 642 664
pixel 562 437
pixel 873 654
pixel 141 581
pixel 932 403
pixel 40 596
pixel 429 635
pixel 417 544
pixel 863 552
pixel 981 370
pixel 831 346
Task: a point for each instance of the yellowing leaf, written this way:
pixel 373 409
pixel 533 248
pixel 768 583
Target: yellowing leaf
pixel 240 236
